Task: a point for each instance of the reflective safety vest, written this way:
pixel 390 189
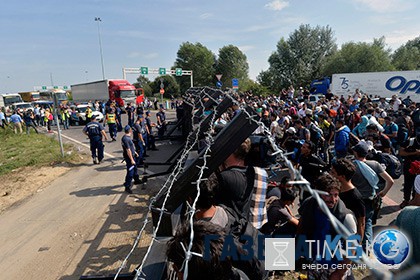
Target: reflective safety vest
pixel 110 118
pixel 89 113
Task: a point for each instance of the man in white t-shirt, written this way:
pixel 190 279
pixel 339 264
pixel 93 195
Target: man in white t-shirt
pixel 397 103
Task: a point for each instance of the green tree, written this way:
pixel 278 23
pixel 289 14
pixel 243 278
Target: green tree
pixel 299 59
pixel 360 57
pixel 171 86
pixel 200 60
pixel 144 83
pixel 232 63
pixel 255 88
pixel 407 57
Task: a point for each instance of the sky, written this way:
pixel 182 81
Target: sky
pixel 55 42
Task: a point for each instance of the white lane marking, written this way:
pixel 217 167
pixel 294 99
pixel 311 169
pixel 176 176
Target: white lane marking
pixel 83 144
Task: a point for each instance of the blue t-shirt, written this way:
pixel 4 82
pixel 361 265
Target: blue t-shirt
pixel 15 118
pixel 390 129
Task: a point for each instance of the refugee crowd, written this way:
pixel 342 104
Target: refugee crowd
pixel 350 149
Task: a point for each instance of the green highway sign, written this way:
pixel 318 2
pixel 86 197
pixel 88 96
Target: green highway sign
pixel 65 87
pixel 55 87
pixel 178 71
pixel 162 71
pixel 144 70
pixel 44 87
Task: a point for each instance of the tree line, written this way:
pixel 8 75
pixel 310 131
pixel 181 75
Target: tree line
pixel 308 53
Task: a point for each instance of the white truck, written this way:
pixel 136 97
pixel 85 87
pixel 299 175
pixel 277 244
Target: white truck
pixel 6 100
pixel 383 84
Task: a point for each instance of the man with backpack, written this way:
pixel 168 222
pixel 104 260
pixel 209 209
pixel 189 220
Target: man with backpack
pixel 366 179
pixel 391 130
pixel 380 141
pixel 410 152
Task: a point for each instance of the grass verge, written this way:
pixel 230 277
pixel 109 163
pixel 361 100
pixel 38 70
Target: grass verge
pixel 21 150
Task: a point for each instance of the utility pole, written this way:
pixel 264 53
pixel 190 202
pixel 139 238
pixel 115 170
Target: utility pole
pixel 98 19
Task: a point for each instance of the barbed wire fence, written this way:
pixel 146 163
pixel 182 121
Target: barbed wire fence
pixel 191 141
pixel 297 180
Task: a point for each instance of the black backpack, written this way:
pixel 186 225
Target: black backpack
pixel 402 134
pixel 316 133
pixel 392 163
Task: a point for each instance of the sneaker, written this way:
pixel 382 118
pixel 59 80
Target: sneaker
pixel 128 190
pixel 95 160
pixel 404 204
pixel 138 182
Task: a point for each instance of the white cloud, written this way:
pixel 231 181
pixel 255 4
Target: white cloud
pixel 132 34
pixel 133 55
pixel 144 56
pixel 151 55
pixel 255 28
pixel 385 6
pixel 276 5
pixel 397 38
pixel 206 15
pixel 246 48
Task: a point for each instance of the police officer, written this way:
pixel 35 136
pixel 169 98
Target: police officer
pixel 161 122
pixel 138 140
pixel 118 114
pixel 129 154
pixel 150 137
pixel 111 120
pixel 95 131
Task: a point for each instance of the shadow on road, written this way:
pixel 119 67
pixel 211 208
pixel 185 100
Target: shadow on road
pixel 386 210
pixel 115 238
pixel 97 191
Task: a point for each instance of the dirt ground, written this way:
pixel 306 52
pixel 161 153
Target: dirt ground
pixel 25 182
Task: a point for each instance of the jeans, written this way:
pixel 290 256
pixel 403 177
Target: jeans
pixel 368 236
pixel 66 123
pixel 112 130
pixel 408 183
pixel 29 125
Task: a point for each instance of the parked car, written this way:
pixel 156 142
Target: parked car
pixel 22 105
pixel 80 117
pixel 314 98
pixel 43 103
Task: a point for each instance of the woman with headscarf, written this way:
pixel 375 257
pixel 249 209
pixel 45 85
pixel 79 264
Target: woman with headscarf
pixel 360 129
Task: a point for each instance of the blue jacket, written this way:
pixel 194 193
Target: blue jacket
pixel 342 139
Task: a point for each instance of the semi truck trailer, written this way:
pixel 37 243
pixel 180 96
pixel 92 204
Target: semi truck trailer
pixel 120 91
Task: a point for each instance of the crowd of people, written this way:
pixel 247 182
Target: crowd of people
pixel 39 116
pixel 352 150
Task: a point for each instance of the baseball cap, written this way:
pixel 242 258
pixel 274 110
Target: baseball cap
pixel 361 148
pixel 291 130
pixel 127 128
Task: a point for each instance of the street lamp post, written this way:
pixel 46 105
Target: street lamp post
pixel 98 19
